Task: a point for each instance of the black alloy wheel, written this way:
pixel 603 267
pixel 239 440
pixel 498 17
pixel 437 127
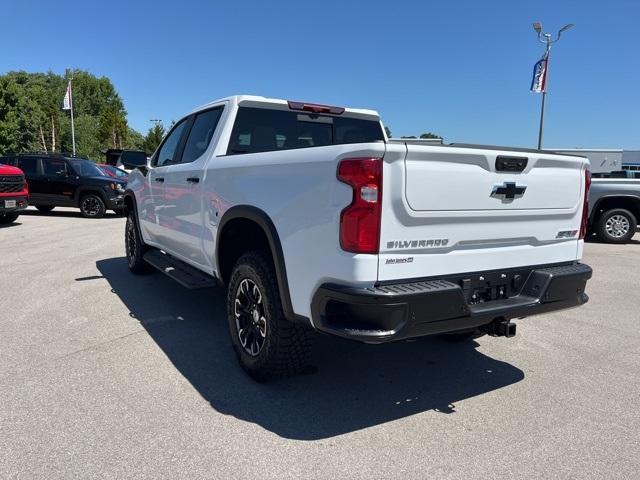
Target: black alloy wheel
pixel 92 206
pixel 251 318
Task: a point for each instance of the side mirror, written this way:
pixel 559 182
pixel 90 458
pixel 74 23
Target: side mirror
pixel 133 159
pixel 62 173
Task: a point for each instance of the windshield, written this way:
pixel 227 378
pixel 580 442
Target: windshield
pixel 85 168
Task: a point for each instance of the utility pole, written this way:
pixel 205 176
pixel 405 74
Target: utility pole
pixel 541 71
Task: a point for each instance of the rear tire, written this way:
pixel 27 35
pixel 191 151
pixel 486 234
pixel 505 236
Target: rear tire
pixel 7 218
pixel 616 226
pixel 92 206
pixel 135 248
pixel 45 208
pixel 268 346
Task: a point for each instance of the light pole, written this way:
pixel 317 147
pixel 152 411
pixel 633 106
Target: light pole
pixel 546 38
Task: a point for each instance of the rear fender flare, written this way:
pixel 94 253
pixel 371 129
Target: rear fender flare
pixel 266 224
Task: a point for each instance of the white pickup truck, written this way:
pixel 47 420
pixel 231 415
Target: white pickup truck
pixel 316 221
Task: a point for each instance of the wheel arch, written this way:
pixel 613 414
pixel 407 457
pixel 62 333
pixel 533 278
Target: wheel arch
pixel 610 202
pixel 88 189
pixel 130 205
pixel 246 216
pixel 129 202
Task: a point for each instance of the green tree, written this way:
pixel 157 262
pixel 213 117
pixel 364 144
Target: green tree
pixel 430 135
pixel 135 140
pixel 31 117
pixel 153 138
pixel 113 127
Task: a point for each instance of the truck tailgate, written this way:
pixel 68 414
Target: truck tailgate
pixel 452 210
pixel 452 181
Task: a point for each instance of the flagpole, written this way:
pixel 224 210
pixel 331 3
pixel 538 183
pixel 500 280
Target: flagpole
pixel 547 39
pixel 544 97
pixel 73 130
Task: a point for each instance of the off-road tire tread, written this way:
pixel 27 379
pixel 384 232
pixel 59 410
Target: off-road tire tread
pixel 289 346
pixel 140 266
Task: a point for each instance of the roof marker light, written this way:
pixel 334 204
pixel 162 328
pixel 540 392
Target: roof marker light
pixel 315 108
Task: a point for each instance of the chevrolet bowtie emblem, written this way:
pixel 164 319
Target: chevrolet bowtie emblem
pixel 508 190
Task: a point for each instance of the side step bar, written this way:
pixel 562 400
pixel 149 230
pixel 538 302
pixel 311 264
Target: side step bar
pixel 184 274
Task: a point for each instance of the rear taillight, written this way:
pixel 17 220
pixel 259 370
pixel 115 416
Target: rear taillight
pixel 585 205
pixel 360 221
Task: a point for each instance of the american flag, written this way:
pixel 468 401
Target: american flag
pixel 539 81
pixel 66 103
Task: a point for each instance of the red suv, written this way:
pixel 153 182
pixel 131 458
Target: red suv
pixel 14 193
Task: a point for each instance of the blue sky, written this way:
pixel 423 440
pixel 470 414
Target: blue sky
pixel 460 68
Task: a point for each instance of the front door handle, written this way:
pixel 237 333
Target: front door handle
pixel 159 179
pixel 193 180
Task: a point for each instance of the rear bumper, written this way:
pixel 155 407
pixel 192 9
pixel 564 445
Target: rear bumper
pixel 399 311
pixel 22 202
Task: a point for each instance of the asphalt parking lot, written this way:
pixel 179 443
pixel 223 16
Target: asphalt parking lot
pixel 108 375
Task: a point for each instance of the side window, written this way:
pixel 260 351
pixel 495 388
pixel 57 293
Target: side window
pixel 200 135
pixel 54 166
pixel 28 165
pixel 167 153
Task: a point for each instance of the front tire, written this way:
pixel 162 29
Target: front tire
pixel 616 226
pixel 268 346
pixel 7 218
pixel 92 206
pixel 135 247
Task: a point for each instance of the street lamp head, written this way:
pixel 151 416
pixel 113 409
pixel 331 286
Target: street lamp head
pixel 537 27
pixel 566 27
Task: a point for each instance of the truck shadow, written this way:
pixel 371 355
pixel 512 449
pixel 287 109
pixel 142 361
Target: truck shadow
pixel 357 386
pixel 66 214
pixel 9 225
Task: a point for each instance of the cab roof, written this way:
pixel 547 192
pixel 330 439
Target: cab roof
pixel 281 104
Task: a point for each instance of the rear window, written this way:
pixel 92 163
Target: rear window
pixel 54 166
pixel 263 130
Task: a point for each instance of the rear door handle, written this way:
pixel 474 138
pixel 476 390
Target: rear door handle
pixel 159 179
pixel 193 180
